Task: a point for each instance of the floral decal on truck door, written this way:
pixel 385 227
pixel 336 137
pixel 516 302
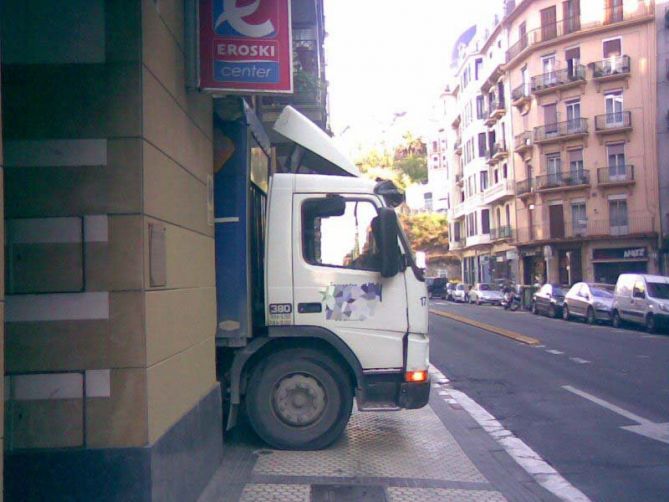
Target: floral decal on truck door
pixel 351 302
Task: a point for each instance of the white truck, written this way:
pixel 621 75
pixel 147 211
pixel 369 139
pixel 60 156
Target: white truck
pixel 319 297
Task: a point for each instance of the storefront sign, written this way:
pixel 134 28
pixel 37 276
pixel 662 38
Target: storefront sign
pixel 245 46
pixel 638 253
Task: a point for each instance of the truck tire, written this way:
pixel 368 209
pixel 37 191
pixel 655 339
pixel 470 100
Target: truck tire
pixel 299 399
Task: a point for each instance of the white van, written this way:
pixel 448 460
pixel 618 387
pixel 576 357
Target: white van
pixel 641 299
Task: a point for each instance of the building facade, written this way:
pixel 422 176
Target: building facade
pixel 107 157
pixel 576 134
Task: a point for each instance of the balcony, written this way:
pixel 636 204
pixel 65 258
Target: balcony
pixel 456 244
pixel 522 142
pixel 498 191
pixel 525 188
pixel 458 147
pixel 501 233
pixel 553 32
pixel 459 210
pixel 477 240
pixel 561 131
pixel 495 112
pixel 456 122
pixel 499 151
pixel 563 181
pixel 521 95
pixel 459 178
pixel 558 80
pixel 640 223
pixel 613 68
pixel 612 123
pixel 615 176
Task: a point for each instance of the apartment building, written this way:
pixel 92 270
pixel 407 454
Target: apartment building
pixel 482 213
pixel 583 99
pixel 432 196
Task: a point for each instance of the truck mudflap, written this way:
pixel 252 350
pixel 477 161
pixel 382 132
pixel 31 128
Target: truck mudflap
pixel 414 395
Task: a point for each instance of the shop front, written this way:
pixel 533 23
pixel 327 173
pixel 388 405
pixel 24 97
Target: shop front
pixel 609 263
pixel 534 266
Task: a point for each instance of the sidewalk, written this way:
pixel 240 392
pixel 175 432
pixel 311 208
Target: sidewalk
pixel 438 453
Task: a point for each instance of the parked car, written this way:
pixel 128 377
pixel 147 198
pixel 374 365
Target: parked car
pixel 461 293
pixel 548 300
pixel 438 288
pixel 483 292
pixel 590 301
pixel 641 299
pixel 450 289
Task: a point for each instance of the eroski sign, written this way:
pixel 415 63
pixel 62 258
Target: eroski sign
pixel 245 46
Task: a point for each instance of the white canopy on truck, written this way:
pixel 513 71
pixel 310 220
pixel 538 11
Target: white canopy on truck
pixel 303 132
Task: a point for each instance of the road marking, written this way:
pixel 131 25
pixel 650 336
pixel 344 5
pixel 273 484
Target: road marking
pixel 653 430
pixel 487 327
pixel 553 351
pixel 579 360
pixel 525 456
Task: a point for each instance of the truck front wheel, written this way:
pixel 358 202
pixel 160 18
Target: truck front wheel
pixel 299 399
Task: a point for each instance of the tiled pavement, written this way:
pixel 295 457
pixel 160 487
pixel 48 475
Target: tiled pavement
pixel 422 455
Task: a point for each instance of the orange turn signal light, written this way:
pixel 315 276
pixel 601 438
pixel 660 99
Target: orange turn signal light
pixel 416 376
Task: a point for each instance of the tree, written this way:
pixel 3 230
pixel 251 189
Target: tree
pixel 411 158
pixel 427 231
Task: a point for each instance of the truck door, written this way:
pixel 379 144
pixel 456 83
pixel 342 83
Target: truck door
pixel 337 283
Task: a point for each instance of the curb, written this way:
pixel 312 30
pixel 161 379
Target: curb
pixel 528 340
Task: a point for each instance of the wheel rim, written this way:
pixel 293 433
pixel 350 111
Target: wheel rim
pixel 299 399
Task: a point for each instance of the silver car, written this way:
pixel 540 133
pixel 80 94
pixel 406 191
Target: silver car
pixel 461 293
pixel 590 301
pixel 483 292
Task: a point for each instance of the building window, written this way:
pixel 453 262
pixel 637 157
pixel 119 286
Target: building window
pixel 579 219
pixel 482 144
pixel 612 48
pixel 484 180
pixel 478 64
pixel 618 221
pixel 571 15
pixel 427 199
pixel 553 163
pixel 576 164
pixel 505 171
pixel 485 221
pixel 614 11
pixel 573 58
pixel 574 114
pixel 614 108
pixel 480 109
pixel 548 65
pixel 616 161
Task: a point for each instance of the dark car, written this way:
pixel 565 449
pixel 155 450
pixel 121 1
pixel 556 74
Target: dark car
pixel 438 288
pixel 548 300
pixel 589 301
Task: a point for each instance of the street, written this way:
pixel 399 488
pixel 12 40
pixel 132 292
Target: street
pixel 593 401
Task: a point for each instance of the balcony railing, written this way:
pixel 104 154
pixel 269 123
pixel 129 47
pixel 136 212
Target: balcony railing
pixel 633 224
pixel 458 146
pixel 521 92
pixel 524 187
pixel 498 191
pixel 498 150
pixel 613 122
pixel 456 244
pixel 557 79
pixel 560 130
pixel 503 232
pixel 611 67
pixel 616 174
pixel 563 179
pixel 552 31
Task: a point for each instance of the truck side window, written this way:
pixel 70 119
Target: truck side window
pixel 340 240
pixel 639 290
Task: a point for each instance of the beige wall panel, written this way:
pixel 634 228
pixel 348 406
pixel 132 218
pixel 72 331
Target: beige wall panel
pixel 72 345
pixel 177 384
pixel 183 141
pixel 116 264
pixel 171 13
pixel 189 258
pixel 178 319
pixel 57 191
pixel 119 420
pixel 72 101
pixel 48 423
pixel 165 60
pixel 174 195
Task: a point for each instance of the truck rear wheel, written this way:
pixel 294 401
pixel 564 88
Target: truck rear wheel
pixel 299 399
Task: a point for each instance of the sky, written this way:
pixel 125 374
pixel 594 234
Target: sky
pixel 388 57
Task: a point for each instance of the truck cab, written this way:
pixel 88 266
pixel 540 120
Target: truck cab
pixel 344 306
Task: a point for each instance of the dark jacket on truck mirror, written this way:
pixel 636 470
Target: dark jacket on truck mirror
pixel 386 235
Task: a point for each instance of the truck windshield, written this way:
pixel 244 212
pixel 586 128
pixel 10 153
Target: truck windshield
pixel 658 290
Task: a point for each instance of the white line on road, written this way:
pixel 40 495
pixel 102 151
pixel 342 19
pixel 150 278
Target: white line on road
pixel 579 360
pixel 653 430
pixel 525 456
pixel 553 351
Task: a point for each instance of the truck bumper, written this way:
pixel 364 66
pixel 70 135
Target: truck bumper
pixel 414 395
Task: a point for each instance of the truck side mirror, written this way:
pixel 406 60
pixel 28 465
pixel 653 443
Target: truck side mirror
pixel 386 236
